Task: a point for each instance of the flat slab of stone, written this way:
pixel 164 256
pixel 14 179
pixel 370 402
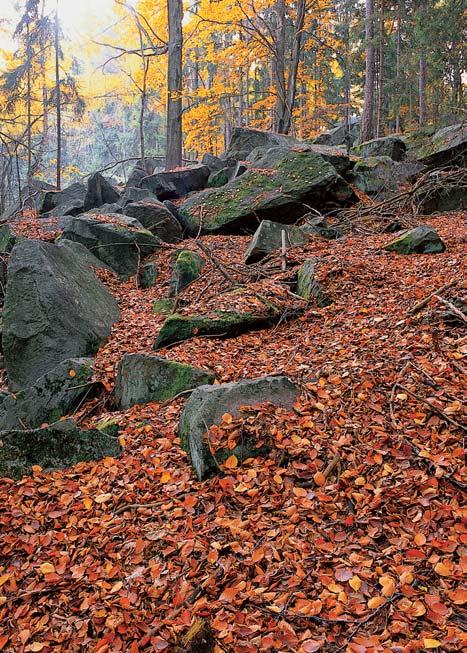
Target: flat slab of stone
pixel 392 146
pixel 421 240
pixel 142 378
pixel 51 397
pixel 268 238
pixel 157 218
pixel 207 404
pixel 55 308
pixel 55 447
pixel 177 183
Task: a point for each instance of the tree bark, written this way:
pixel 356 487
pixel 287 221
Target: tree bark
pixel 368 106
pixel 278 67
pixel 379 113
pixel 58 101
pixel 174 85
pixel 422 90
pixel 293 70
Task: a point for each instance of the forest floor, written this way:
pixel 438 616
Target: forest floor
pixel 347 538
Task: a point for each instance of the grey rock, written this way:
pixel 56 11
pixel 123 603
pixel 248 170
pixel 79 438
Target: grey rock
pixel 7 239
pixel 421 240
pixel 187 268
pixel 214 163
pixel 106 209
pixel 244 140
pixel 318 226
pixel 132 194
pixel 268 238
pixel 99 191
pixel 52 396
pixel 308 287
pixel 392 146
pixel 177 183
pixel 69 201
pixel 446 147
pixel 54 447
pixel 157 218
pixel 142 379
pixel 55 309
pixel 207 404
pixel 119 246
pixel 147 275
pixel 337 135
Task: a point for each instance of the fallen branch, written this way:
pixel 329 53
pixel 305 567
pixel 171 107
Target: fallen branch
pixel 433 407
pixel 418 307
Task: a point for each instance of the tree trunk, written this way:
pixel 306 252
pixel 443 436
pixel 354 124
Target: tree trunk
pixel 379 113
pixel 58 101
pixel 28 101
pixel 422 90
pixel 174 85
pixel 278 68
pixel 293 70
pixel 398 89
pixel 367 118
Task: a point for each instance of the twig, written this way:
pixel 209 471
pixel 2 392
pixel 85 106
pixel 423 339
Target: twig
pixel 452 308
pixel 418 307
pixel 433 407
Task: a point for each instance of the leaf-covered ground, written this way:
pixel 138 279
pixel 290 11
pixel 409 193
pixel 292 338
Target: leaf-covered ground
pixel 347 537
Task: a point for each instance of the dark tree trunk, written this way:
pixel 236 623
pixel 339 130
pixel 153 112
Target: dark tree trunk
pixel 379 113
pixel 278 67
pixel 174 85
pixel 422 90
pixel 58 101
pixel 368 106
pixel 293 70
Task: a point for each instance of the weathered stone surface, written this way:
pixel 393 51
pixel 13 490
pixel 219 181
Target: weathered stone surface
pixel 55 308
pixel 375 174
pixel 69 201
pixel 337 135
pixel 187 268
pixel 421 240
pixel 7 239
pixel 268 238
pixel 245 139
pixel 308 287
pixel 117 245
pixel 157 218
pixel 147 275
pixel 83 254
pixel 106 209
pixel 392 146
pixel 132 194
pixel 142 379
pixel 212 162
pixel 207 404
pixel 99 191
pixel 225 324
pixel 53 395
pixel 278 188
pixel 177 183
pixel 55 447
pixel 318 226
pixel 447 146
pixel 163 306
pixel 223 176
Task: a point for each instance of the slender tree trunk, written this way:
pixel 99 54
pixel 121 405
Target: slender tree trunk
pixel 379 114
pixel 293 70
pixel 279 67
pixel 174 85
pixel 29 101
pixel 422 89
pixel 58 101
pixel 398 69
pixel 368 106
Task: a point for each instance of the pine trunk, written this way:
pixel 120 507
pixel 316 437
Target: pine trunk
pixel 174 85
pixel 368 106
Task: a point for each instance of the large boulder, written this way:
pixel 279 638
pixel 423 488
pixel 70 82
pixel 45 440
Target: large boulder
pixel 445 195
pixel 207 404
pixel 55 309
pixel 7 239
pixel 132 194
pixel 55 447
pixel 187 268
pixel 99 191
pixel 447 146
pixel 157 218
pixel 53 395
pixel 338 134
pixel 224 324
pixel 308 287
pixel 279 187
pixel 69 201
pixel 268 238
pixel 374 175
pixel 245 139
pixel 177 183
pixel 142 379
pixel 392 146
pixel 421 240
pixel 116 244
pixel 214 163
pixel 106 209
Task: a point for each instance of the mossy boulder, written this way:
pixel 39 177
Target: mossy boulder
pixel 374 174
pixel 53 395
pixel 163 306
pixel 157 218
pixel 142 379
pixel 279 187
pixel 55 447
pixel 446 146
pixel 421 240
pixel 118 245
pixel 187 268
pixel 207 404
pixel 55 309
pixel 245 139
pixel 7 239
pixel 392 146
pixel 268 238
pixel 225 324
pixel 308 287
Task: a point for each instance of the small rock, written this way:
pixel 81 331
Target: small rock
pixel 147 276
pixel 7 239
pixel 308 287
pixel 421 240
pixel 163 306
pixel 268 238
pixel 187 268
pixel 207 404
pixel 142 379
